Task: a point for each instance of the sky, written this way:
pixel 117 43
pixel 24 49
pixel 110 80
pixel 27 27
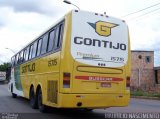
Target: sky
pixel 21 21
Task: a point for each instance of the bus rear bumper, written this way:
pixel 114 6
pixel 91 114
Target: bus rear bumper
pixel 93 100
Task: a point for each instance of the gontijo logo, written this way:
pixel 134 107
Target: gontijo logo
pixel 103 28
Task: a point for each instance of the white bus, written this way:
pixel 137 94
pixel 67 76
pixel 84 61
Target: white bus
pixel 2 76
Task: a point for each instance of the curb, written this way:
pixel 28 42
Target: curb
pixel 144 97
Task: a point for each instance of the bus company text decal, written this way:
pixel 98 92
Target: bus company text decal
pixel 97 78
pixel 28 68
pixel 99 43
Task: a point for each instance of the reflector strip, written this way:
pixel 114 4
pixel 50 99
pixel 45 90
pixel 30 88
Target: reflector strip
pixel 97 78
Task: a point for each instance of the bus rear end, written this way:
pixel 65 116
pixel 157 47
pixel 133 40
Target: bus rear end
pixel 95 67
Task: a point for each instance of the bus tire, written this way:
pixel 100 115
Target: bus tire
pixel 42 108
pixel 88 109
pixel 32 97
pixel 14 95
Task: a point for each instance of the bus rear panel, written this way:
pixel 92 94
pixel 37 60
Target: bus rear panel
pixel 96 62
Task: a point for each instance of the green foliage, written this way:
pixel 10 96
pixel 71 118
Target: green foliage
pixel 4 66
pixel 136 93
pixel 147 94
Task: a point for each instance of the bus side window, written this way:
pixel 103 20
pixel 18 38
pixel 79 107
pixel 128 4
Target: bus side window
pixel 30 53
pixel 44 44
pixel 16 59
pixel 51 41
pixel 21 57
pixel 13 61
pixel 24 55
pixel 27 54
pixel 39 47
pixel 34 49
pixel 56 38
pixel 59 33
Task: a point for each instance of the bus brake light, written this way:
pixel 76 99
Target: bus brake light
pixel 66 80
pixel 128 82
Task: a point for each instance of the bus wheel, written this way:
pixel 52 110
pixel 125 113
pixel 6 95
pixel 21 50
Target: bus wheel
pixel 32 97
pixel 14 95
pixel 42 108
pixel 88 109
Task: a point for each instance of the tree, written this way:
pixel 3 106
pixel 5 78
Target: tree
pixel 4 66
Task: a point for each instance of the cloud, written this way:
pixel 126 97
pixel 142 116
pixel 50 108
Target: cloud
pixel 1 23
pixel 156 42
pixel 48 7
pixel 19 29
pixel 23 28
pixel 145 33
pixel 19 24
pixel 4 16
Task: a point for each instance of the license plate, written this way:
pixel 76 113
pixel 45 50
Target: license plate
pixel 105 85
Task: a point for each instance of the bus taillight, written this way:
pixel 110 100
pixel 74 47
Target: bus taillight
pixel 128 82
pixel 66 80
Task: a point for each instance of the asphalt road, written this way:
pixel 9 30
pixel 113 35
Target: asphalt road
pixel 19 107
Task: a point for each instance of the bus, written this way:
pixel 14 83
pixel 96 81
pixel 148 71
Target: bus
pixel 82 61
pixel 2 76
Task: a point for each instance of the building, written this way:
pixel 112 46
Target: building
pixel 157 75
pixel 142 68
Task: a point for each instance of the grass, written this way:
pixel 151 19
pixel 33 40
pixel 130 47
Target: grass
pixel 147 94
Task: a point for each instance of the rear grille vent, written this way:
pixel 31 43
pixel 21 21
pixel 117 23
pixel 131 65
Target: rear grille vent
pixel 52 91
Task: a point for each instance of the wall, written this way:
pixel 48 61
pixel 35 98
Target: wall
pixel 158 76
pixel 142 68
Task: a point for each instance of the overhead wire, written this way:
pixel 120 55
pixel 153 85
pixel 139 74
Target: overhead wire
pixel 156 52
pixel 141 10
pixel 144 14
pixel 144 17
